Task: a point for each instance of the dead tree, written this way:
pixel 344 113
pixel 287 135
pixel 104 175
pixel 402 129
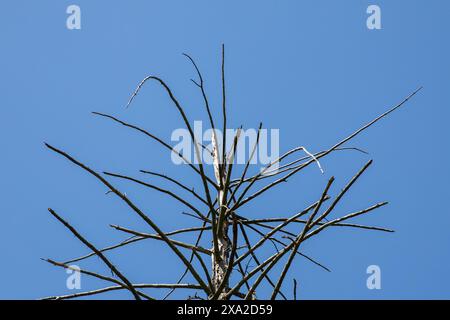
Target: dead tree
pixel 223 224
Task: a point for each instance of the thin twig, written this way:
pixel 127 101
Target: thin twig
pixel 295 289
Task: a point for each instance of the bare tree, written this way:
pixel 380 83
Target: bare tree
pixel 222 197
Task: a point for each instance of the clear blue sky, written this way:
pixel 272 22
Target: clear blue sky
pixel 310 68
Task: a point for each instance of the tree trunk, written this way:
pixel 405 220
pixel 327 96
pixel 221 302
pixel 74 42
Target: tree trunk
pixel 220 264
pixel 221 261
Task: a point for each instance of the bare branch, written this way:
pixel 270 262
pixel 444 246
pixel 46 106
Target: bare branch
pixel 201 86
pixel 151 186
pixel 254 257
pixel 341 194
pixel 97 252
pixel 114 288
pixel 291 165
pixel 134 239
pixel 197 242
pixel 244 172
pixel 191 132
pixel 223 209
pixel 337 145
pixel 298 252
pixel 271 261
pixel 224 113
pixel 295 289
pixel 346 217
pixel 139 212
pixel 274 230
pixel 166 145
pixel 190 190
pixel 308 226
pixel 96 275
pixel 208 110
pixel 226 253
pixel 349 225
pixel 157 237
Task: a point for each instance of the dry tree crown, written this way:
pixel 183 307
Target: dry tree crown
pixel 222 222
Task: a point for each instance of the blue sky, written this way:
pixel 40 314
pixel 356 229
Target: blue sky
pixel 310 68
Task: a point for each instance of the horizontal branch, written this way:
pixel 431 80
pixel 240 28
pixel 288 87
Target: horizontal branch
pixel 346 217
pixel 95 275
pixel 114 288
pixel 349 225
pixel 291 165
pixel 157 237
pixel 134 239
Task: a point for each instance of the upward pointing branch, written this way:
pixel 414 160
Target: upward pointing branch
pixel 219 176
pixel 191 133
pixel 337 145
pixel 224 113
pixel 307 227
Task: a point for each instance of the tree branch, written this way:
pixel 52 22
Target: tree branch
pixel 139 212
pixel 97 252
